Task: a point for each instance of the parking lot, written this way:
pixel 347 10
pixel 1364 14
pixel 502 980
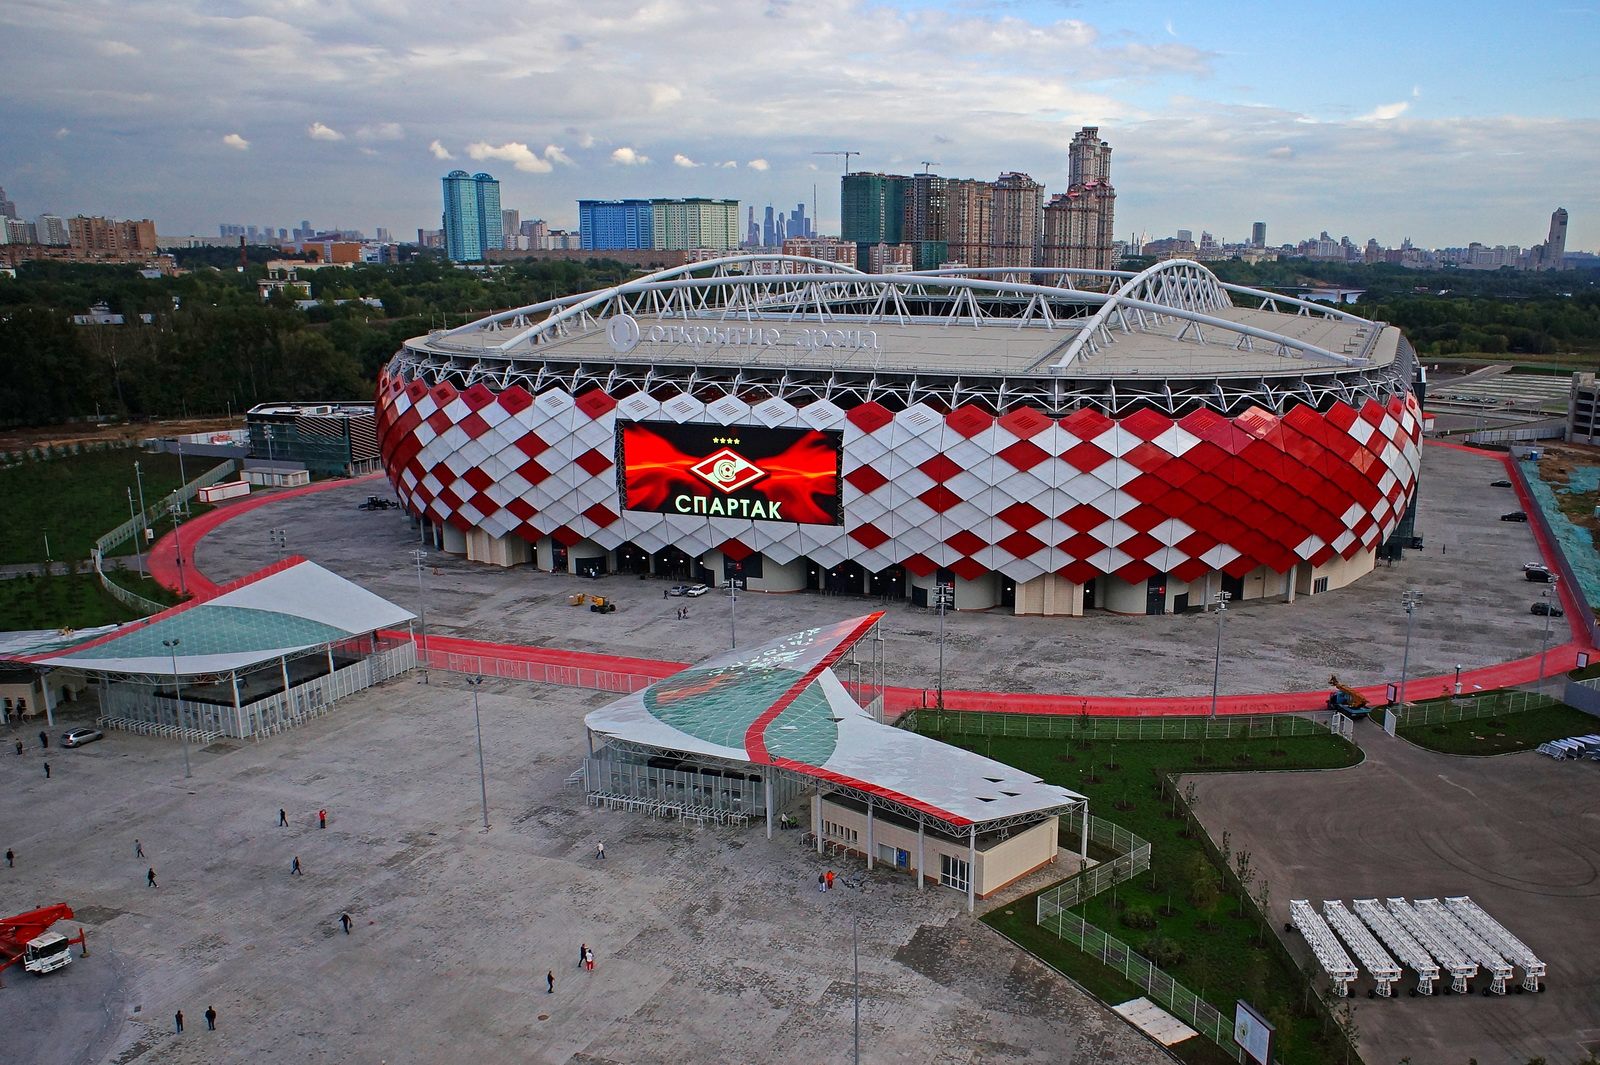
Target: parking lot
pixel 710 944
pixel 1474 610
pixel 1518 833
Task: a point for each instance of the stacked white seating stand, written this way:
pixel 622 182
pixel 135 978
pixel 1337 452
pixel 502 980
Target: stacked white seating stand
pixel 1469 941
pixel 1404 945
pixel 1324 944
pixel 1494 933
pixel 1451 958
pixel 1373 957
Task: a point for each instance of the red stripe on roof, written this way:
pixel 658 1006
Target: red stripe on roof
pixel 173 611
pixel 872 789
pixel 755 740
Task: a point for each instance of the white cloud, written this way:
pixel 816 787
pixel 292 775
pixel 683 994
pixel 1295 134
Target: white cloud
pixel 1282 151
pixel 730 164
pixel 556 155
pixel 629 157
pixel 440 151
pixel 368 151
pixel 663 96
pixel 319 132
pixel 1385 112
pixel 758 164
pixel 586 141
pixel 233 140
pixel 63 133
pixel 116 48
pixel 1168 27
pixel 516 153
pixel 684 161
pixel 381 131
pixel 1416 92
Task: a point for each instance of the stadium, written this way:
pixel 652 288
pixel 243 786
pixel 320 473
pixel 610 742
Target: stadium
pixel 1048 442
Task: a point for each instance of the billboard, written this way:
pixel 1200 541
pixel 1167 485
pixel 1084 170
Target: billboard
pixel 730 471
pixel 1252 1032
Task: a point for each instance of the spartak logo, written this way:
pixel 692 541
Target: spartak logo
pixel 727 470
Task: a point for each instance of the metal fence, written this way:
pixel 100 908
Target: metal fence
pixel 532 672
pixel 1132 858
pixel 1470 707
pixel 935 722
pixel 133 600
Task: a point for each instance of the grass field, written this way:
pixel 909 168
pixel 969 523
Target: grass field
pixel 77 499
pixel 1499 735
pixel 76 601
pixel 1183 907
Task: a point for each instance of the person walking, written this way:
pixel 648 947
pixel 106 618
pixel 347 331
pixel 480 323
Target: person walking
pixel 19 748
pixel 177 1021
pixel 294 867
pixel 583 954
pixel 599 850
pixel 822 882
pixel 44 739
pixel 344 919
pixel 830 879
pixel 283 818
pixel 588 960
pixel 211 1018
pixel 11 858
pixel 138 849
pixel 150 876
pixel 322 819
pixel 550 982
pixel 47 770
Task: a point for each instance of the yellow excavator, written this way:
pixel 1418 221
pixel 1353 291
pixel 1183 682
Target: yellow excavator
pixel 1347 700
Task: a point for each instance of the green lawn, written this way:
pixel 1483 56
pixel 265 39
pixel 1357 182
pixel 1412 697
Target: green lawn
pixel 1497 735
pixel 76 602
pixel 1226 954
pixel 77 499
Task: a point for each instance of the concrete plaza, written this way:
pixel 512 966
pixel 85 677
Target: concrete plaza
pixel 710 944
pixel 1474 610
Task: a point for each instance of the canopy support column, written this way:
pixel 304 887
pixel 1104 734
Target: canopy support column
pixel 283 663
pixel 972 867
pixel 816 818
pixel 330 660
pixel 922 830
pixel 1083 840
pixel 768 781
pixel 238 709
pixel 869 834
pixel 49 707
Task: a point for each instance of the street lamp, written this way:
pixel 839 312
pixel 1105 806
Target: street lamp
pixel 1216 670
pixel 182 477
pixel 483 785
pixel 133 520
pixel 946 594
pixel 138 476
pixel 1409 599
pixel 177 699
pixel 734 584
pixel 855 960
pixel 1551 603
pixel 177 541
pixel 1458 680
pixel 421 556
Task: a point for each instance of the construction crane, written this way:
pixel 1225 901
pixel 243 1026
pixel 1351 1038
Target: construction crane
pixel 926 163
pixel 846 155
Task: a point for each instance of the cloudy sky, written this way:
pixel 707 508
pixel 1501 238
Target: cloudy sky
pixel 1442 121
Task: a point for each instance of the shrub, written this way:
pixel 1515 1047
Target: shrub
pixel 1138 917
pixel 1164 952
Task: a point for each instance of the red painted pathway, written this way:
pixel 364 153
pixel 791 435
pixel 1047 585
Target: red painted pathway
pixel 164 568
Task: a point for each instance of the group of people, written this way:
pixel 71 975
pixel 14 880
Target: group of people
pixel 825 881
pixel 211 1020
pixel 585 961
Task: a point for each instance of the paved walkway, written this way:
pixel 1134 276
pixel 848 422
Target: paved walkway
pixel 1521 668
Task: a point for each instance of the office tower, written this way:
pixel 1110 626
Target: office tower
pixel 472 222
pixel 611 225
pixel 510 225
pixel 384 237
pixel 969 209
pixel 1258 235
pixel 694 222
pixel 769 236
pixel 1554 256
pixel 752 235
pixel 537 230
pixel 799 227
pixel 8 209
pixel 490 222
pixel 1016 220
pixel 872 211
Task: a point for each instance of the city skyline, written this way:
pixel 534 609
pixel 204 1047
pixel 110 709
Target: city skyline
pixel 351 116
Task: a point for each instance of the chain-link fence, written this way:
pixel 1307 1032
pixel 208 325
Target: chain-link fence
pixel 934 722
pixel 1470 707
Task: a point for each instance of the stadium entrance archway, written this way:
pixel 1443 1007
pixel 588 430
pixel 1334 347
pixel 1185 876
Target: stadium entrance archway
pixel 671 562
pixel 632 559
pixel 889 584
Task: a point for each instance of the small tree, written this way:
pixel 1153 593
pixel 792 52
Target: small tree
pixel 1246 873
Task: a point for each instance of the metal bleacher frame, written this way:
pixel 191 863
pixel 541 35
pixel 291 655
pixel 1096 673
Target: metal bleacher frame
pixel 1572 748
pixel 1451 957
pixel 1368 950
pixel 1495 934
pixel 1324 944
pixel 1464 937
pixel 688 812
pixel 1403 943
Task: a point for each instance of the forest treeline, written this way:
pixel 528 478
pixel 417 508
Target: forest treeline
pixel 214 346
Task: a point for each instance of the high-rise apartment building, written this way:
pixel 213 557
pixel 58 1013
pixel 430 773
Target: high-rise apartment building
pixel 616 225
pixel 472 222
pixel 52 229
pixel 1016 220
pixel 1553 255
pixel 829 248
pixel 510 225
pixel 695 222
pixel 105 238
pixel 872 210
pixel 1080 224
pixel 8 209
pixel 969 210
pixel 1258 235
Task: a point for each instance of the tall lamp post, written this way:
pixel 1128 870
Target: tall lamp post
pixel 177 699
pixel 133 520
pixel 1552 603
pixel 183 477
pixel 1409 599
pixel 1216 669
pixel 177 542
pixel 734 584
pixel 855 960
pixel 421 557
pixel 483 784
pixel 946 594
pixel 144 515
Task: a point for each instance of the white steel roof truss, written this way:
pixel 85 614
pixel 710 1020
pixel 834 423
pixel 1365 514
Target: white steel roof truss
pixel 1324 944
pixel 1373 957
pixel 1496 935
pixel 1451 957
pixel 1397 939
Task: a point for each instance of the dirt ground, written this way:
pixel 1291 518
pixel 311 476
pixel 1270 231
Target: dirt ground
pixel 89 432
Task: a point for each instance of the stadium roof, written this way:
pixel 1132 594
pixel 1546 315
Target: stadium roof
pixel 780 704
pixel 284 610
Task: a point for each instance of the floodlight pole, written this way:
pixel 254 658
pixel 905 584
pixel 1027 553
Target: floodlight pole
pixel 855 959
pixel 138 476
pixel 1409 599
pixel 183 477
pixel 177 540
pixel 177 697
pixel 483 785
pixel 1544 646
pixel 1216 670
pixel 939 591
pixel 133 520
pixel 422 611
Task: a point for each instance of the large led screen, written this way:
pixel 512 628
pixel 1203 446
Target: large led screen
pixel 730 471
